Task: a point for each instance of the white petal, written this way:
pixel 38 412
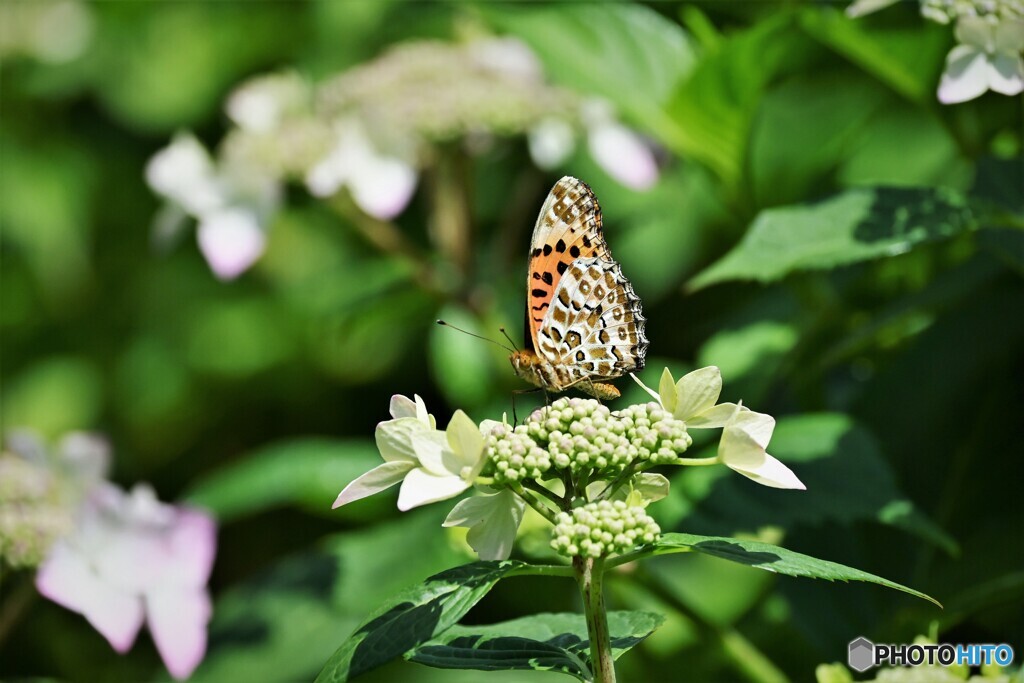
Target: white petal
pixel 651 486
pixel 327 176
pixel 976 32
pixel 1009 35
pixel 1007 73
pixel 550 142
pixel 697 392
pixel 394 439
pixel 646 388
pixel 742 453
pixel 86 455
pixel 67 578
pixel 623 155
pixel 177 620
pixel 379 478
pixel 758 426
pixel 493 522
pixel 862 7
pixel 184 172
pixel 402 406
pixel 420 487
pixel 716 417
pixel 382 186
pixel 231 240
pixel 465 439
pixel 432 453
pixel 507 56
pixel 966 75
pixel 667 391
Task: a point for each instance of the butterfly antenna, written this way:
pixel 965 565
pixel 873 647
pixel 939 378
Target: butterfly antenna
pixel 459 329
pixel 509 338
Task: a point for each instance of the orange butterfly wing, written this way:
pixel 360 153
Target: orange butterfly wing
pixel 568 227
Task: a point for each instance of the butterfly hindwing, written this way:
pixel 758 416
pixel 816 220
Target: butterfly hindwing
pixel 568 228
pixel 594 327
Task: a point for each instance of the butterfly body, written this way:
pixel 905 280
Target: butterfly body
pixel 584 319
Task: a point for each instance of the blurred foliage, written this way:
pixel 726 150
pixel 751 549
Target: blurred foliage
pixel 846 249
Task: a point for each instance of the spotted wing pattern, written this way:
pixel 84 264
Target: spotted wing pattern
pixel 594 328
pixel 568 228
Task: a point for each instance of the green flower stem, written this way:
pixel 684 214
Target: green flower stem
pixel 562 503
pixel 700 462
pixel 532 500
pixel 590 578
pixel 614 485
pixel 19 598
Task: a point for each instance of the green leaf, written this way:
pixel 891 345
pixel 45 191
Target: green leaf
pixel 283 623
pixel 848 480
pixel 711 113
pixel 772 558
pixel 414 616
pixel 907 71
pixel 540 642
pixel 626 53
pixel 308 472
pixel 855 225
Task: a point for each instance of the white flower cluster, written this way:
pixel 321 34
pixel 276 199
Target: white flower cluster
pixel 370 131
pixel 990 37
pixel 514 456
pixel 583 436
pixel 602 529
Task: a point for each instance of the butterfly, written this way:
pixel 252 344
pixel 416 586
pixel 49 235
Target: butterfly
pixel 584 320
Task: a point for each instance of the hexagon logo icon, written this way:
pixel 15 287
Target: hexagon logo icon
pixel 861 656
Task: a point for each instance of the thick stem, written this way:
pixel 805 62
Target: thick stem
pixel 590 577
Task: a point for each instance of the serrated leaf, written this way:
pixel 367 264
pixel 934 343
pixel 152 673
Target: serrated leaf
pixel 414 616
pixel 855 225
pixel 309 472
pixel 541 642
pixel 775 559
pixel 284 622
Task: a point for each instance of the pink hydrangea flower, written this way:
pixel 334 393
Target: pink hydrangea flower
pixel 131 559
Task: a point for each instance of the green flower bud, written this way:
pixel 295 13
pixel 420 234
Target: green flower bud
pixel 602 529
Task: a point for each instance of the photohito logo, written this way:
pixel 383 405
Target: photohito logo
pixel 863 654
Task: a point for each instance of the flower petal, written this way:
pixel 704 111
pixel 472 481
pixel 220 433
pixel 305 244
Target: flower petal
pixel 1009 35
pixel 758 426
pixel 394 439
pixel 67 578
pixel 382 186
pixel 184 173
pixel 667 391
pixel 1007 73
pixel 650 486
pixel 420 487
pixel 177 620
pixel 741 452
pixel 192 546
pixel 402 406
pixel 376 480
pixel 862 7
pixel 976 32
pixel 433 454
pixel 231 240
pixel 966 75
pixel 646 388
pixel 715 417
pixel 467 442
pixel 493 522
pixel 550 142
pixel 697 392
pixel 622 154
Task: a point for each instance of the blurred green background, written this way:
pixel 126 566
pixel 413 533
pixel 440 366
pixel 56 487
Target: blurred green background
pixel 848 251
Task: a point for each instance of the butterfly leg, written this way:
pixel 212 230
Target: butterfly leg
pixel 515 419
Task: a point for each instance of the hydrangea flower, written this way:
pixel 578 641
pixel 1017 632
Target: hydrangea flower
pixel 492 519
pixel 987 58
pixel 603 528
pixel 231 205
pixel 430 464
pixel 133 559
pixel 743 449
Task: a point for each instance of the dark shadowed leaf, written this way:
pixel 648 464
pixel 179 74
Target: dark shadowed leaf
pixel 541 642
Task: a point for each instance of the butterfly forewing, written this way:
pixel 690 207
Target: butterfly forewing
pixel 568 227
pixel 584 318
